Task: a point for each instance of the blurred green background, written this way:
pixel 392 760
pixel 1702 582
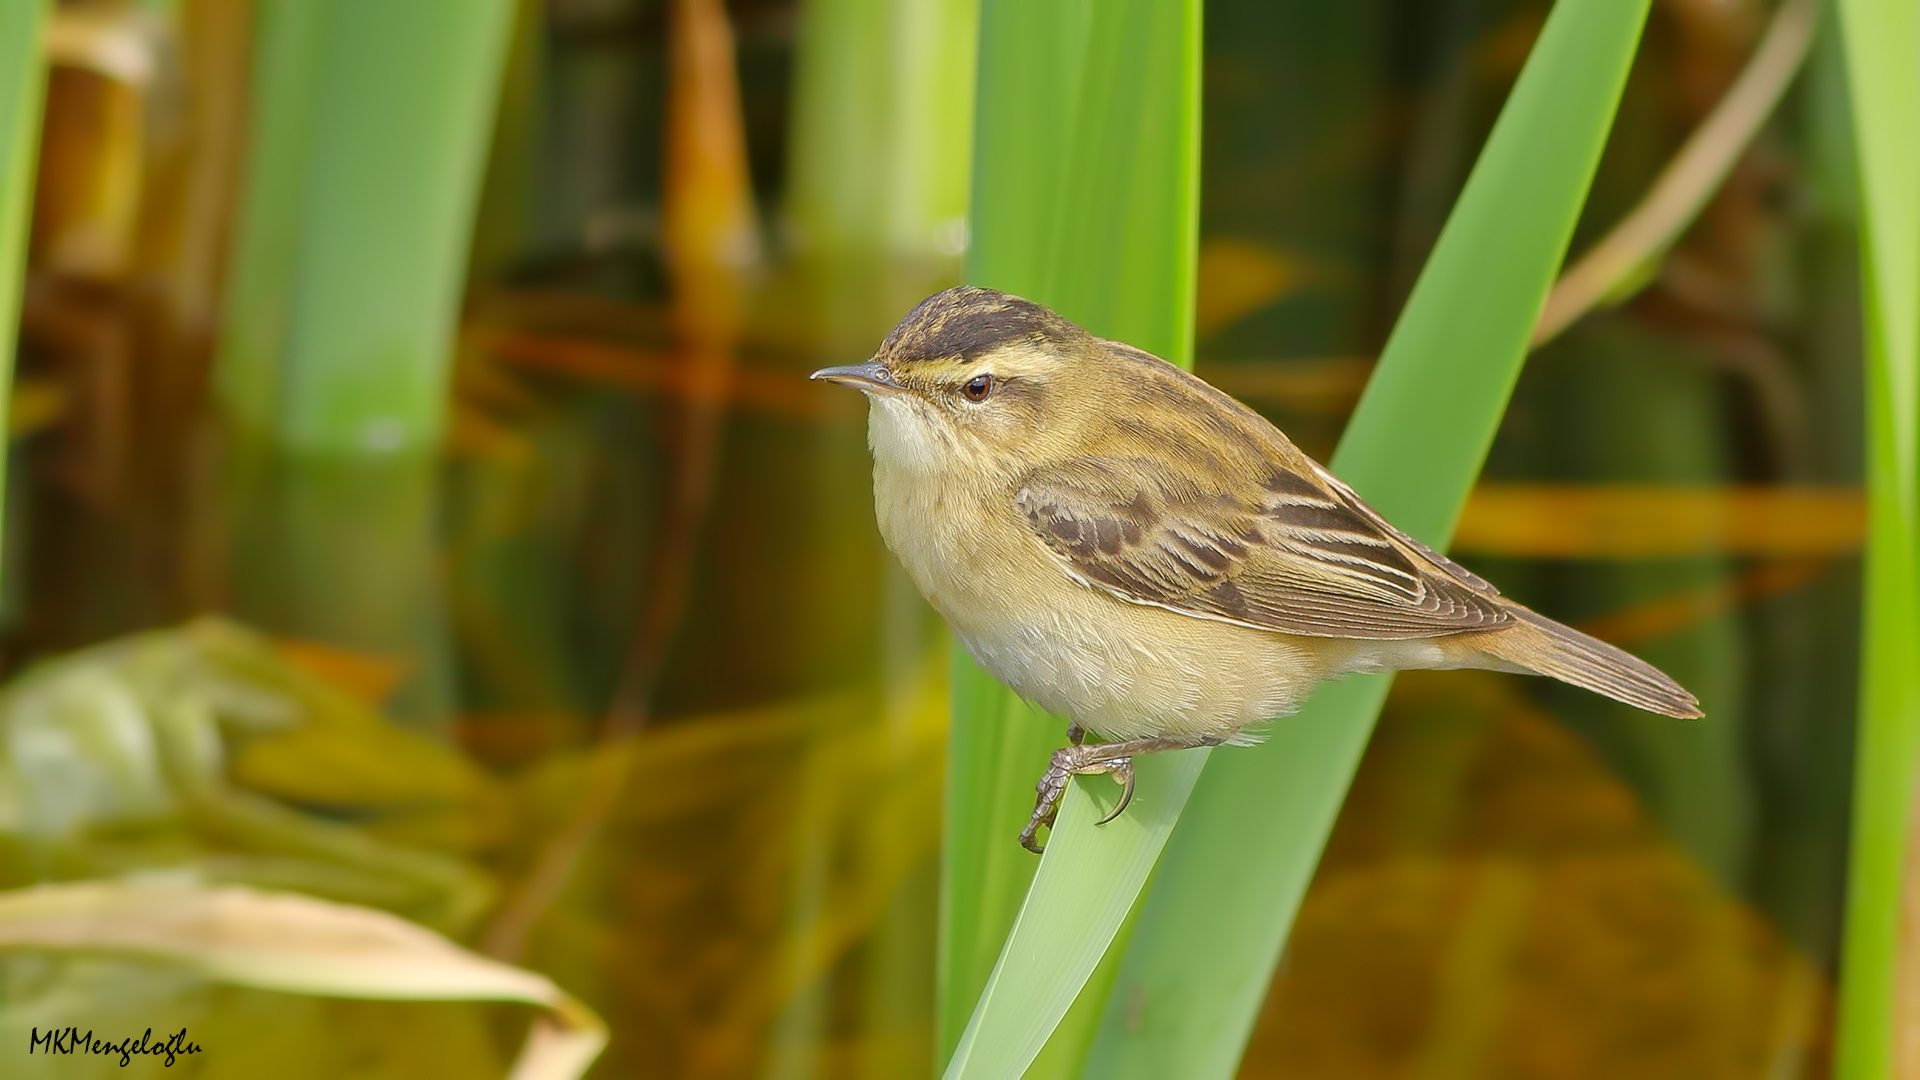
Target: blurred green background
pixel 457 347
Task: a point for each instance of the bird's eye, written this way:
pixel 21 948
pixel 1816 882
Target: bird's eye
pixel 978 388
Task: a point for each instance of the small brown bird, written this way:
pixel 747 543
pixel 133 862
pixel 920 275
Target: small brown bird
pixel 1124 545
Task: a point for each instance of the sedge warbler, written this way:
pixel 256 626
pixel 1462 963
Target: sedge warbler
pixel 1126 546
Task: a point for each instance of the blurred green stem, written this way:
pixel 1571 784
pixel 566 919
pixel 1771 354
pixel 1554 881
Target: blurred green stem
pixel 23 80
pixel 1876 1037
pixel 368 135
pixel 882 111
pixel 876 202
pixel 368 138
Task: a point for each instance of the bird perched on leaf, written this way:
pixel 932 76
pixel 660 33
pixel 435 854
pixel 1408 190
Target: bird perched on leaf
pixel 1126 546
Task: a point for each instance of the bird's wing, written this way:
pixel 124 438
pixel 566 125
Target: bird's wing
pixel 1298 553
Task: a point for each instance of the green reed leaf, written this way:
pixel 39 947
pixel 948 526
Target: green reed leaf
pixel 23 80
pixel 1211 930
pixel 1882 39
pixel 369 134
pixel 367 144
pixel 1085 198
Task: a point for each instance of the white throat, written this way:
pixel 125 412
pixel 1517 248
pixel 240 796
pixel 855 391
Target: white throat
pixel 903 441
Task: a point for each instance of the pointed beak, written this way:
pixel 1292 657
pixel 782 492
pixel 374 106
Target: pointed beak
pixel 869 377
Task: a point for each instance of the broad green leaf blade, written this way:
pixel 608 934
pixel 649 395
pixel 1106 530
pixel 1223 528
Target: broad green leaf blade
pixel 1085 198
pixel 1086 164
pixel 1085 887
pixel 1212 929
pixel 23 80
pixel 996 747
pixel 1882 39
pixel 298 945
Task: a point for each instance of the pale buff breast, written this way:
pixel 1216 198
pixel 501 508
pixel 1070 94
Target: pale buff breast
pixel 1122 670
pixel 1127 671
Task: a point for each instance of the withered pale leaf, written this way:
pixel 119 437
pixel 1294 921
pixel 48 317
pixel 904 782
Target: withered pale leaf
pixel 296 944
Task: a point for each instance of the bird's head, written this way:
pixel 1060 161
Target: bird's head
pixel 972 379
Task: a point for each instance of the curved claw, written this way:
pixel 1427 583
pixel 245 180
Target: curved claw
pixel 1030 836
pixel 1123 772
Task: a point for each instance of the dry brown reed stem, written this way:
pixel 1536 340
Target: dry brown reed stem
pixel 711 241
pixel 1689 180
pixel 644 371
pixel 1653 521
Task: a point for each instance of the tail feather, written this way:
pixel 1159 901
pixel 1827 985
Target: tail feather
pixel 1539 644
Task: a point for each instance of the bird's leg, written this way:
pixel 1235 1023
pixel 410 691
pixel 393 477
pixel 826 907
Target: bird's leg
pixel 1115 759
pixel 1075 733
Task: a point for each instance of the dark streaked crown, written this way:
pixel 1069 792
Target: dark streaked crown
pixel 968 321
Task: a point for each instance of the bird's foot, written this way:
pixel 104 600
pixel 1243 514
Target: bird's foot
pixel 1081 759
pixel 1069 762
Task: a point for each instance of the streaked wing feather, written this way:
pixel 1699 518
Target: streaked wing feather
pixel 1301 554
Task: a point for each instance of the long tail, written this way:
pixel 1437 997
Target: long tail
pixel 1539 644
